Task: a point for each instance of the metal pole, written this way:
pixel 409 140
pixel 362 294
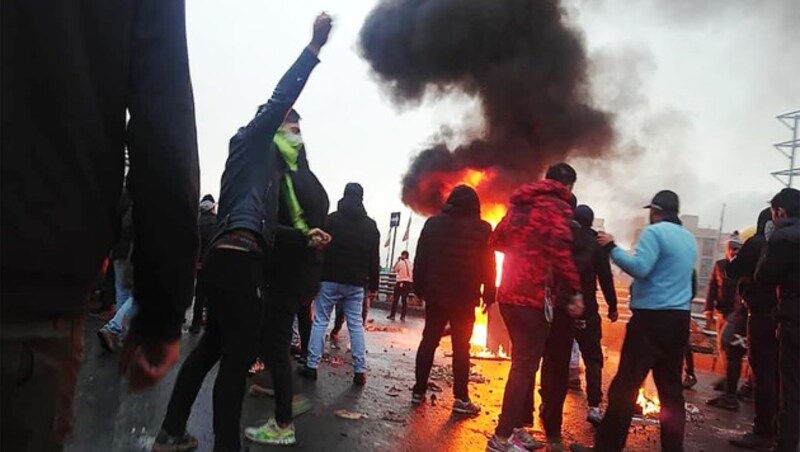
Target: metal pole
pixel 394 239
pixel 794 149
pixel 719 233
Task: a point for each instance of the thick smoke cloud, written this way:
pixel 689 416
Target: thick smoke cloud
pixel 519 57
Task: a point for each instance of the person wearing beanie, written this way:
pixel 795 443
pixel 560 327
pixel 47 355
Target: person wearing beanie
pixel 780 266
pixel 351 261
pixel 658 331
pixel 761 302
pixel 208 229
pixel 597 269
pixel 723 297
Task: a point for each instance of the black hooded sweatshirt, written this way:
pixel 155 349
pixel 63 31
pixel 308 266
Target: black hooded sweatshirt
pixel 780 265
pixel 759 297
pixel 453 256
pixel 352 257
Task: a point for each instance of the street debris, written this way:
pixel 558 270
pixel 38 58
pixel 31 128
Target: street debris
pixel 393 392
pixel 382 328
pixel 258 390
pixel 351 415
pixel 391 416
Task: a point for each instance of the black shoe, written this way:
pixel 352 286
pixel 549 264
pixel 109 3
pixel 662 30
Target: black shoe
pixel 391 317
pixel 745 392
pixel 753 442
pixel 402 318
pixel 725 401
pixel 307 372
pixel 689 381
pixel 360 379
pixel 168 443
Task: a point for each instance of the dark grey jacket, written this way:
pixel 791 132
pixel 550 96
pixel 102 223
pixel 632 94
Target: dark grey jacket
pixel 72 71
pixel 249 191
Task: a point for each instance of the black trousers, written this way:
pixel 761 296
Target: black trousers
pixel 655 340
pixel 235 304
pixel 200 298
pixel 401 291
pixel 689 360
pixel 763 356
pixel 303 326
pixel 461 319
pixel 736 324
pixel 528 330
pixel 789 410
pixel 276 339
pixel 555 372
pixel 589 339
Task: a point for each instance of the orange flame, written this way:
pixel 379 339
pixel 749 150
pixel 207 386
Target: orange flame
pixel 649 403
pixel 492 213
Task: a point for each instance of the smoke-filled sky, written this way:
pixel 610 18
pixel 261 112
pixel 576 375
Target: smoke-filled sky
pixel 694 91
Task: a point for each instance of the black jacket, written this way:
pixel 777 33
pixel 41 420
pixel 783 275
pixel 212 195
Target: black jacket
pixel 722 292
pixel 295 268
pixel 760 298
pixel 249 195
pixel 208 229
pixel 352 257
pixel 780 265
pixel 593 264
pixel 453 256
pixel 71 73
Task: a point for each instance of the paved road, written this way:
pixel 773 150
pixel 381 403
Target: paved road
pixel 109 418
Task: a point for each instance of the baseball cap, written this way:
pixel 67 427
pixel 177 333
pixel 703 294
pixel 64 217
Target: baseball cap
pixel 665 201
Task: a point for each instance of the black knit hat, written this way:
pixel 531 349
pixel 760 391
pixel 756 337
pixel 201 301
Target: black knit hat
pixel 354 190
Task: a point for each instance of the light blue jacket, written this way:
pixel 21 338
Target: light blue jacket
pixel 661 266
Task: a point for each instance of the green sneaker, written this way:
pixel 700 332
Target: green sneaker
pixel 271 433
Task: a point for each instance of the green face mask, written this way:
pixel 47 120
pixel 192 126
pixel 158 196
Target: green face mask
pixel 289 145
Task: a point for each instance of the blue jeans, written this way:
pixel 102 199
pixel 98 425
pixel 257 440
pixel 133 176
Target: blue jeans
pixel 122 319
pixel 122 293
pixel 351 299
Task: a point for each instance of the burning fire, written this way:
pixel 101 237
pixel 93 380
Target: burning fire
pixel 649 404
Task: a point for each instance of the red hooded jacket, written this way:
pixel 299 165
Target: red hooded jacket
pixel 536 239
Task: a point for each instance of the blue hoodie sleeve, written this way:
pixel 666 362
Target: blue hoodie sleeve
pixel 641 262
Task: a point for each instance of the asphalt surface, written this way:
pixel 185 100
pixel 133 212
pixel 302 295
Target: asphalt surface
pixel 110 418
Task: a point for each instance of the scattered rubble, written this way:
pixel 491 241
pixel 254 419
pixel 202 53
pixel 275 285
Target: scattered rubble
pixel 351 415
pixel 382 328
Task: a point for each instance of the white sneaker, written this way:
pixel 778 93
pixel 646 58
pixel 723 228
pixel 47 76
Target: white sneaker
pixel 594 416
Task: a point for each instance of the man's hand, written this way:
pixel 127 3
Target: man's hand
pixel 613 316
pixel 576 307
pixel 322 28
pixel 145 365
pixel 604 238
pixel 317 238
pixel 709 320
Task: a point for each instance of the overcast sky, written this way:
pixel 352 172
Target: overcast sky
pixel 695 92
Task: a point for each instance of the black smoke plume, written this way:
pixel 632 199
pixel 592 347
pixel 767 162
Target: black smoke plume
pixel 519 57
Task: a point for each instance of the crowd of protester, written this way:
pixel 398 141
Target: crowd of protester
pixel 269 259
